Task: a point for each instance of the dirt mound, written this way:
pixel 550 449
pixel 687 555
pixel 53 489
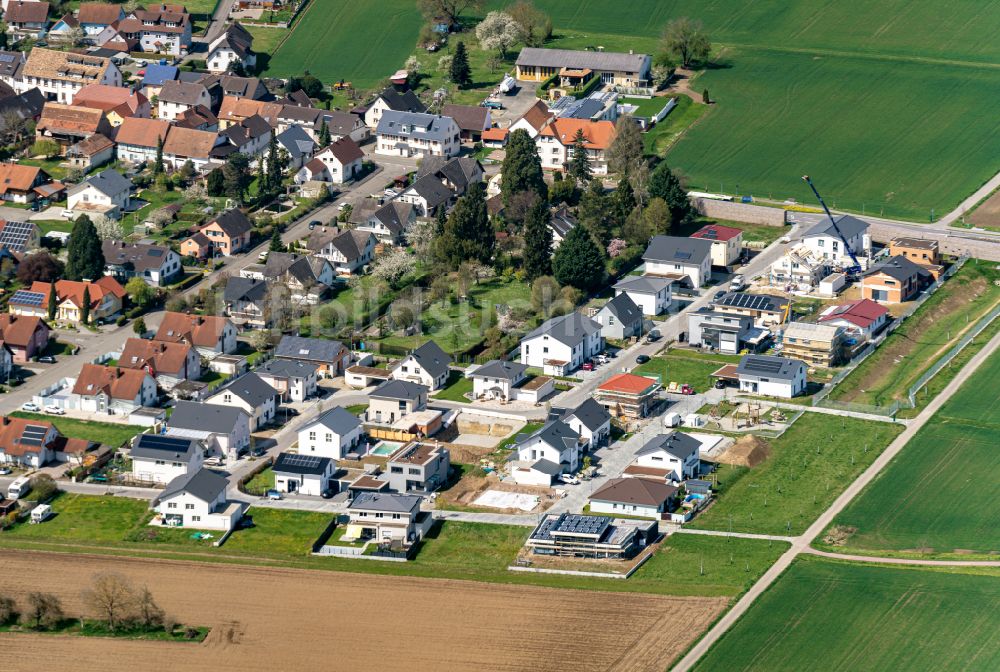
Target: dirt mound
pixel 747 451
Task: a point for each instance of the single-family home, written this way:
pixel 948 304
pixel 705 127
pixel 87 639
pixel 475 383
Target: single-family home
pixel 107 194
pixel 457 173
pixel 557 140
pixel 160 459
pixel 669 457
pixel 19 237
pixel 543 455
pixel 197 500
pixel 428 365
pixel 333 434
pixel 105 299
pixel 117 103
pixel 727 243
pixel 590 420
pixel 631 69
pixel 23 184
pixel 68 125
pixel 223 430
pixel 306 277
pixel 113 389
pixel 189 144
pixel 627 395
pixel 389 222
pixel 895 280
pixel 297 143
pixel 60 74
pixel 26 19
pixel 620 318
pixel 26 336
pixel 349 250
pixel 155 76
pixel 813 343
pixel 342 161
pixel 394 399
pixel 198 118
pixel 495 138
pixel 534 119
pixel 415 134
pixel 94 17
pixel 418 467
pixel 676 257
pixel 562 344
pixel 594 537
pixel 727 333
pixel 32 443
pixel 925 252
pixel 227 234
pixel 771 376
pixel 303 474
pixel 234 46
pixel 91 152
pixel 136 138
pixel 249 393
pixel 294 381
pixel 11 67
pixel 497 380
pixel 162 29
pixel 249 136
pixel 766 310
pixel 634 497
pixel 824 243
pixel 169 363
pixel 387 517
pixel 247 302
pixel 329 356
pixel 860 319
pixel 427 194
pixel 393 99
pixel 158 265
pixel 561 222
pixel 210 334
pixel 176 97
pixel 650 293
pixel 472 120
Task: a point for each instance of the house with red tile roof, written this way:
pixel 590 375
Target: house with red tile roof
pixel 25 336
pixel 211 335
pixel 136 138
pixel 727 243
pixel 113 389
pixel 118 103
pixel 106 297
pixel 555 143
pixel 861 319
pixel 33 443
pixel 627 395
pixel 169 363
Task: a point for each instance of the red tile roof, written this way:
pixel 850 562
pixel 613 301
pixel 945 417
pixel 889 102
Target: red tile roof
pixel 716 232
pixel 862 313
pixel 627 383
pixel 114 381
pixel 18 330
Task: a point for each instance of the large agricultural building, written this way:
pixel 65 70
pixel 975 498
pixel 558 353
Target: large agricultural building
pixel 534 64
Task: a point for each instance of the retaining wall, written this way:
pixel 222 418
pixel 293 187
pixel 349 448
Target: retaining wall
pixel 739 212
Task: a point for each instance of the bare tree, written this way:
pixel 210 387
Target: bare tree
pixel 147 611
pixel 8 609
pixel 448 9
pixel 112 596
pixel 44 610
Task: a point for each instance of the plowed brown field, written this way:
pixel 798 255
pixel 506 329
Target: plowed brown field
pixel 287 619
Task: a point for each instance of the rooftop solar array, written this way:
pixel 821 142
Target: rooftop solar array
pixel 306 461
pixel 751 301
pixel 15 235
pixel 682 255
pixel 33 435
pixel 763 365
pixel 23 297
pixel 161 442
pixel 6 58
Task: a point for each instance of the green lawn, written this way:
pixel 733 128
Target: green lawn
pixel 823 615
pixel 458 385
pixel 87 520
pixel 278 533
pixel 104 432
pixel 357 409
pixel 51 166
pixel 261 482
pixel 810 464
pixel 266 40
pixel 683 369
pixel 662 137
pixel 939 494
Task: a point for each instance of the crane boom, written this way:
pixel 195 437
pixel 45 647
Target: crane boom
pixel 856 268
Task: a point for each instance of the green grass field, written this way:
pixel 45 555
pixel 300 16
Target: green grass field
pixel 823 615
pixel 691 370
pixel 939 494
pixel 810 464
pixel 112 434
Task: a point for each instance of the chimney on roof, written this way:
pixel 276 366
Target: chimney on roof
pixel 5 419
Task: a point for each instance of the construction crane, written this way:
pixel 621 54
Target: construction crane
pixel 852 271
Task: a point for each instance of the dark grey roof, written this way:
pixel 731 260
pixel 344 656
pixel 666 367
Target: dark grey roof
pixel 402 101
pixel 640 491
pixel 160 447
pixel 848 225
pixel 430 127
pixel 590 413
pixel 184 93
pixel 247 130
pixel 898 267
pixel 555 433
pixel 27 105
pixel 394 215
pixel 110 182
pixel 678 444
pixel 432 190
pixel 432 359
pixel 753 301
pixel 568 329
pixel 338 420
pixel 676 250
pixel 233 222
pixel 352 243
pixel 308 349
pixel 398 389
pixel 204 484
pixel 499 369
pixel 137 256
pixel 293 463
pixel 623 308
pixel 562 221
pixel 250 388
pixel 296 142
pixel 287 368
pixel 206 417
pixel 782 368
pixel 245 289
pixel 643 284
pixel 388 502
pixel 338 123
pixel 547 467
pixel 571 58
pixel 460 170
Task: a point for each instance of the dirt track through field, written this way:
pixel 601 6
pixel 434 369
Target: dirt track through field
pixel 287 619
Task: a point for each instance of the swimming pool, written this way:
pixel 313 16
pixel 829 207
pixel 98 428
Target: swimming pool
pixel 386 448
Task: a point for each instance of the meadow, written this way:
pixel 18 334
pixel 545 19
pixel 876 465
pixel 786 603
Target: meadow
pixel 823 615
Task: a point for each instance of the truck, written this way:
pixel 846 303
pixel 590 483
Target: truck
pixel 20 487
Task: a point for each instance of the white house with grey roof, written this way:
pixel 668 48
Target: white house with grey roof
pixel 541 456
pixel 303 474
pixel 389 222
pixel 428 365
pixel 590 420
pixel 390 99
pixel 671 457
pixel 328 355
pixel 415 134
pixel 107 193
pixel 561 222
pixel 824 243
pixel 771 376
pixel 157 265
pixel 498 380
pixel 394 399
pixel 223 430
pixel 561 345
pixel 677 257
pixel 160 459
pixel 294 381
pixel 249 393
pixel 427 194
pixel 348 251
pixel 197 500
pixel 299 145
pixel 620 318
pixel 332 434
pixel 651 293
pixel 387 517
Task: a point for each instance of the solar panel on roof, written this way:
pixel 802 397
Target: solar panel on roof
pixel 155 252
pixel 682 255
pixel 6 58
pixel 161 442
pixel 33 435
pixel 295 460
pixel 751 301
pixel 764 365
pixel 26 298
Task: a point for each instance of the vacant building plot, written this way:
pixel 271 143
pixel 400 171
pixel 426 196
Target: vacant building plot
pixel 268 618
pixel 939 494
pixel 823 615
pixel 987 214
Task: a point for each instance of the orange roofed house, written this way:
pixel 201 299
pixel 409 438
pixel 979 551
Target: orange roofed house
pixel 112 389
pixel 137 138
pixel 23 184
pixel 210 335
pixel 627 395
pixel 117 103
pixel 168 363
pixel 33 443
pixel 70 124
pixel 555 143
pixel 227 234
pixel 106 297
pixel 25 336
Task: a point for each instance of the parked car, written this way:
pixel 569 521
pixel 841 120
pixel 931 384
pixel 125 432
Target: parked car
pixel 30 407
pixel 215 461
pixel 642 359
pixel 273 494
pixel 569 478
pixel 327 494
pixel 718 295
pixel 66 214
pixel 720 384
pixel 686 389
pixel 653 336
pixel 6 471
pixel 54 410
pixel 314 223
pixel 47 359
pixel 588 366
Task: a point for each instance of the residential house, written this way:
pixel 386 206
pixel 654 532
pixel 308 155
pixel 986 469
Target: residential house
pixel 177 97
pixel 561 222
pixel 169 363
pixel 333 434
pixel 60 74
pixel 106 194
pixel 472 120
pixel 158 265
pixel 227 234
pixel 590 420
pixel 457 173
pixel 299 145
pixel 634 497
pixel 388 223
pixel 117 103
pixel 556 143
pixel 348 251
pixel 394 399
pixel 534 119
pixel 154 78
pixel 861 320
pixel 727 333
pixel 234 46
pixel 923 252
pixel 303 474
pixel 247 302
pixel 767 310
pixel 26 19
pixel 306 277
pixel 341 160
pixel 189 144
pixel 162 29
pixel 26 337
pixel 223 430
pixel 32 443
pixel 26 107
pixel 233 110
pixel 197 500
pixel 895 280
pixel 250 136
pixel 594 537
pixel 815 344
pixel 113 389
pixel 546 453
pixel 328 355
pixel 798 268
pixel 198 118
pixel 418 467
pixel 650 293
pixel 414 134
pixel 391 99
pixel 727 243
pixel 294 381
pixel 11 71
pixel 68 125
pixel 771 376
pixel 221 86
pixel 428 365
pixel 497 379
pixel 562 344
pixel 536 65
pixel 675 257
pixel 387 517
pixel 668 457
pixel 211 335
pixel 620 318
pixel 19 237
pixel 160 459
pixel 94 17
pixel 626 395
pixel 824 243
pixel 427 194
pixel 105 299
pixel 91 152
pixel 495 137
pixel 249 393
pixel 136 139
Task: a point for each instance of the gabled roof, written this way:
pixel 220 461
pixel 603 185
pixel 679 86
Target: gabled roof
pixel 511 371
pixel 460 170
pixel 309 349
pixel 394 215
pixel 432 190
pixel 245 289
pixel 554 433
pixel 624 309
pixel 19 435
pixel 113 381
pixel 65 66
pixel 162 357
pixel 70 118
pixel 578 59
pixel 537 115
pixel 305 465
pixel 432 359
pixel 210 418
pixel 103 13
pixel 201 330
pixel 338 420
pixel 140 132
pixel 717 232
pixel 761 302
pixel 352 243
pixel 848 225
pixel 286 368
pixel 590 414
pixel 898 267
pixel 344 150
pixel 160 447
pixel 782 368
pixel 597 135
pixel 16 236
pixel 26 12
pixel 627 383
pixel 157 74
pixel 18 330
pixel 109 182
pixel 73 290
pixel 675 250
pixel 250 388
pixel 678 444
pixel 637 491
pixel 568 329
pixel 236 38
pixel 562 221
pixel 198 117
pixel 643 284
pixel 233 222
pixel 91 146
pixel 296 142
pixel 108 98
pixel 387 502
pixel 247 130
pixel 468 117
pixel 203 484
pixel 402 101
pixel 429 127
pixel 188 142
pixel 398 389
pixel 862 313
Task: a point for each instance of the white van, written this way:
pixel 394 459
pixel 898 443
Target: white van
pixel 20 487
